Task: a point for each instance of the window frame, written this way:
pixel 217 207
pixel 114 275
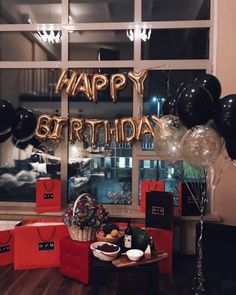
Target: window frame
pixel 137 63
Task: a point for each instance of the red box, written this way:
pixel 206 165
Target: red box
pixel 6 247
pixel 48 195
pixel 75 259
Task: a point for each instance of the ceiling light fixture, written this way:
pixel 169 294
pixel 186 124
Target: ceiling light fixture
pixel 137 33
pixel 50 36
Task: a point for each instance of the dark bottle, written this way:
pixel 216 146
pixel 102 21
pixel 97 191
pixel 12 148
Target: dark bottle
pixel 152 245
pixel 128 237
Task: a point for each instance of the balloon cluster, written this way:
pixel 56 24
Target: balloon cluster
pixel 19 124
pixel 209 121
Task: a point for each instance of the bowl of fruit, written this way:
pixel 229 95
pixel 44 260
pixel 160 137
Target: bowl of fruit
pixel 105 251
pixel 110 233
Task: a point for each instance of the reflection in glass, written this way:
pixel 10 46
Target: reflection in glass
pixel 104 170
pixel 100 45
pixel 34 11
pixel 172 10
pixel 30 47
pixel 171 173
pixel 23 163
pixel 101 11
pixel 177 44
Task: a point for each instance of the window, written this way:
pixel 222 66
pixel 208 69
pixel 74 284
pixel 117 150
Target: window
pixel 38 40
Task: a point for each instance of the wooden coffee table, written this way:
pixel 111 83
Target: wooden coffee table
pixel 147 265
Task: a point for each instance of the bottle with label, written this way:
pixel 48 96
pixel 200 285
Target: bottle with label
pixel 128 237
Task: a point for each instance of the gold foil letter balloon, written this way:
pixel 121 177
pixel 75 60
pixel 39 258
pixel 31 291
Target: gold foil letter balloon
pixel 63 80
pixel 76 129
pixel 99 83
pixel 58 123
pixel 138 79
pixel 112 131
pixel 93 125
pixel 83 85
pixel 43 128
pixel 130 122
pixel 117 82
pixel 144 127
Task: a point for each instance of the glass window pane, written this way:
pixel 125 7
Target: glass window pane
pixel 101 11
pixel 172 175
pixel 100 45
pixel 177 44
pixel 30 47
pixel 36 11
pixel 25 159
pixel 104 168
pixel 172 10
pixel 158 86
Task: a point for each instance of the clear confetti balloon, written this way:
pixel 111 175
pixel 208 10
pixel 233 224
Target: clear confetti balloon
pixel 168 134
pixel 201 146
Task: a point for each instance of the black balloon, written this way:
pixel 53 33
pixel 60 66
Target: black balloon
pixel 24 125
pixel 4 137
pixel 231 148
pixel 225 116
pixel 182 86
pixel 20 145
pixel 34 142
pixel 195 106
pixel 7 113
pixel 169 107
pixel 212 84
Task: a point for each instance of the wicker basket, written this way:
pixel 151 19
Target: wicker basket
pixel 85 234
pixel 114 240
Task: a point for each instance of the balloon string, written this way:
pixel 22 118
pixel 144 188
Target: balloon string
pixel 199 279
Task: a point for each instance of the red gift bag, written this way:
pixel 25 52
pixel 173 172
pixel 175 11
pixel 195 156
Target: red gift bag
pixel 48 195
pixel 37 243
pixel 148 186
pixel 6 247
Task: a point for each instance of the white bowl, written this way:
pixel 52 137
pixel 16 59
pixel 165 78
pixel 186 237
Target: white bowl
pixel 102 255
pixel 134 254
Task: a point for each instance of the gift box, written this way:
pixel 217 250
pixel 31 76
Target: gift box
pixel 48 195
pixel 189 194
pixel 159 209
pixel 75 259
pixel 37 243
pixel 148 186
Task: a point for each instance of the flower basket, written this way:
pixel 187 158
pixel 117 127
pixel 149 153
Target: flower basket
pixel 84 217
pixel 85 234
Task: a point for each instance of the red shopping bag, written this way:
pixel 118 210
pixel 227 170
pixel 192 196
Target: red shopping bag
pixel 37 243
pixel 6 247
pixel 48 195
pixel 148 186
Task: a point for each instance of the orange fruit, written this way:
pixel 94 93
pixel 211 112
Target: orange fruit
pixel 114 233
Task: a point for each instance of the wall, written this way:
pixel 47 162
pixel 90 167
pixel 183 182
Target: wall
pixel 225 192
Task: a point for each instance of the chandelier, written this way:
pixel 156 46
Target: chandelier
pixel 50 36
pixel 137 33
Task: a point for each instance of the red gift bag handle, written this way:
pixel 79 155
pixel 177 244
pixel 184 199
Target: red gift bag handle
pixel 49 188
pixel 8 240
pixel 149 187
pixel 50 237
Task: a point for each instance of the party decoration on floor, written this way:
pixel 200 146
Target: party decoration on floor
pixel 225 116
pixel 211 83
pixel 7 114
pixel 201 146
pixel 169 132
pixel 195 106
